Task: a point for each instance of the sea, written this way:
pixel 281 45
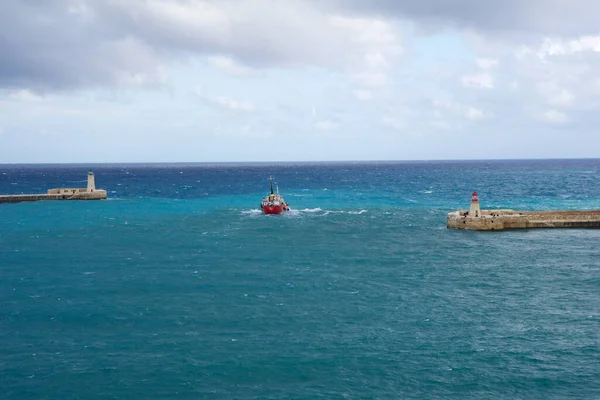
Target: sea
pixel 177 287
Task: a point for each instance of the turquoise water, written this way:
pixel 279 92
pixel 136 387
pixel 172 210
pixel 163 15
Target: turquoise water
pixel 177 287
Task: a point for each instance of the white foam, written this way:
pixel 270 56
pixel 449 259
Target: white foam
pixel 252 212
pixel 311 210
pixel 357 212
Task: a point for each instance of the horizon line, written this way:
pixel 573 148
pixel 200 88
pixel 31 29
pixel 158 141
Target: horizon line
pixel 298 161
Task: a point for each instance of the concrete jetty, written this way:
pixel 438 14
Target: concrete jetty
pixel 498 220
pixel 87 193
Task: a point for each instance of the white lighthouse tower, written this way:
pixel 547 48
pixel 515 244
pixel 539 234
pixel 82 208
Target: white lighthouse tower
pixel 475 208
pixel 91 186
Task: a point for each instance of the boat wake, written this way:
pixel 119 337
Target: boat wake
pixel 307 211
pixel 252 212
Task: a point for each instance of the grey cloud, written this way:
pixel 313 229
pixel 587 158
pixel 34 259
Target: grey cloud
pixel 541 17
pixel 57 44
pixel 48 45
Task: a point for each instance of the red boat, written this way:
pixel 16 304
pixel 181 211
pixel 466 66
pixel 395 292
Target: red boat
pixel 274 202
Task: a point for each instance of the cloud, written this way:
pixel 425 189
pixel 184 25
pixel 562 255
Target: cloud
pixel 371 79
pixel 475 114
pixel 456 108
pixel 60 45
pixel 222 102
pixel 24 95
pixel 554 95
pixel 553 117
pixel 486 63
pixel 553 47
pixel 232 104
pixel 479 81
pixel 362 94
pixel 229 66
pixel 523 17
pixel 326 125
pixel 393 122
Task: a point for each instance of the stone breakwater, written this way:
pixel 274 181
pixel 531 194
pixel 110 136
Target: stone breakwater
pixel 87 193
pixel 498 220
pixel 17 198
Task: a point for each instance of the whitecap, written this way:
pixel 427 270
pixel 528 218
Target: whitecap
pixel 357 212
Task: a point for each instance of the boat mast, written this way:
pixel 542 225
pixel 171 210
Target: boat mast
pixel 271 179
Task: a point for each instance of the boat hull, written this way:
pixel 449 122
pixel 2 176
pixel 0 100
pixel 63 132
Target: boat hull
pixel 273 209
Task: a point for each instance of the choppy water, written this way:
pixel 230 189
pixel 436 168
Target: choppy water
pixel 177 287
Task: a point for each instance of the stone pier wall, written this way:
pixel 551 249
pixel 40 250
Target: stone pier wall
pixel 17 198
pixel 497 220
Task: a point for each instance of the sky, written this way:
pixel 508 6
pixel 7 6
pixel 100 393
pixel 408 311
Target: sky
pixel 89 81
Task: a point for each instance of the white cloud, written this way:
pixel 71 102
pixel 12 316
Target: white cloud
pixel 24 95
pixel 363 94
pixel 326 125
pixel 552 47
pixel 475 114
pixel 456 108
pixel 232 104
pixel 393 122
pixel 379 38
pixel 486 63
pixel 553 117
pixel 479 81
pixel 380 47
pixel 229 66
pixel 563 98
pixel 376 60
pixel 197 91
pixel 551 93
pixel 371 79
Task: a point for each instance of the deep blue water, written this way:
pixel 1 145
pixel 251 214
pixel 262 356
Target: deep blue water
pixel 177 287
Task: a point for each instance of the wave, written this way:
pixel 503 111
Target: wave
pixel 252 212
pixel 357 212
